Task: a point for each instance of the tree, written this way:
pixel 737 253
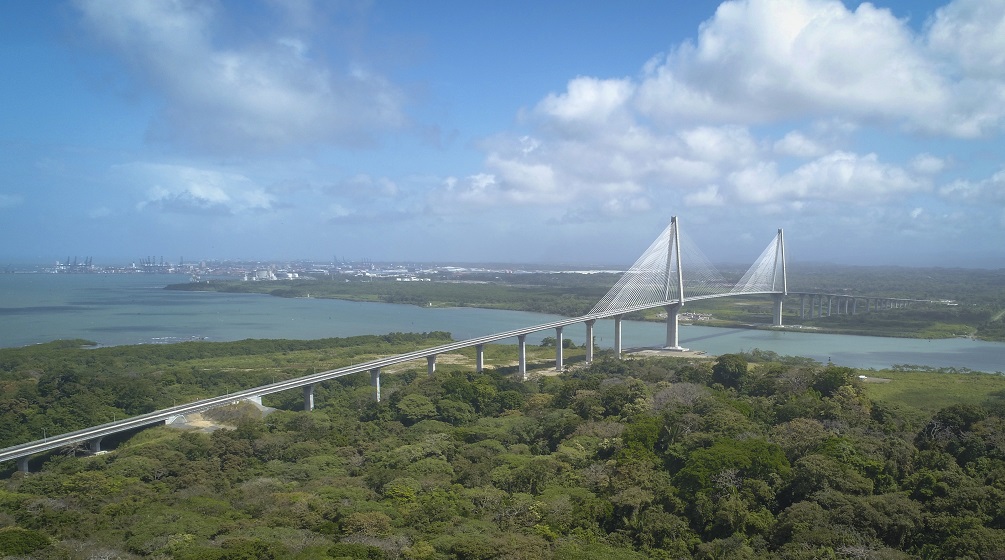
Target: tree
pixel 828 380
pixel 729 370
pixel 415 407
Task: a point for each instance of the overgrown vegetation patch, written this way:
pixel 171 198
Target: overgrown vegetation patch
pixel 747 456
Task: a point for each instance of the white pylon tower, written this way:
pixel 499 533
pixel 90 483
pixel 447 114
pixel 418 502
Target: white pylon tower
pixel 768 275
pixel 657 279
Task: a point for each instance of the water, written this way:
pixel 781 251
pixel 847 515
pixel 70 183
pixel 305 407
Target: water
pixel 135 309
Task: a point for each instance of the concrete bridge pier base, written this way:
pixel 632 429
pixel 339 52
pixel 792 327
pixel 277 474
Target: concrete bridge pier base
pixel 431 364
pixel 479 357
pixel 309 397
pixel 522 351
pixel 776 310
pixel 802 306
pixel 617 336
pixel 94 445
pixel 375 382
pixel 22 464
pixel 673 327
pixel 559 366
pixel 589 340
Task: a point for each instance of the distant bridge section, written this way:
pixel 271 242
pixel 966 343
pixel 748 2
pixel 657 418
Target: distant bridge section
pixel 824 305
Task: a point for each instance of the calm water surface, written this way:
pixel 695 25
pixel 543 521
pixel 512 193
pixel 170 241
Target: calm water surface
pixel 135 309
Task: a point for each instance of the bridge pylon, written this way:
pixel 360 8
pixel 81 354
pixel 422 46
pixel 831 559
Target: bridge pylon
pixel 656 279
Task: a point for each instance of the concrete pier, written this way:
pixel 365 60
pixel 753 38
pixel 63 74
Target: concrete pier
pixel 375 382
pixel 431 364
pixel 559 366
pixel 479 357
pixel 617 336
pixel 309 397
pixel 589 340
pixel 522 360
pixel 673 326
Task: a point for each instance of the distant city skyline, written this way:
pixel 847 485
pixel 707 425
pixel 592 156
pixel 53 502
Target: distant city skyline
pixel 521 132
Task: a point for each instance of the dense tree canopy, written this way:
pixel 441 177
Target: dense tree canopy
pixel 624 459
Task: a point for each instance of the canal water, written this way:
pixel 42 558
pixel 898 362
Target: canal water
pixel 114 309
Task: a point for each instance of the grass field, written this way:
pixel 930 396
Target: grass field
pixel 929 392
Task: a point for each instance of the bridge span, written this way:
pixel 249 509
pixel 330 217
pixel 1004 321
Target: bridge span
pixel 657 279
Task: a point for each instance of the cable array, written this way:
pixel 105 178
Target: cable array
pixel 653 279
pixel 766 274
pixel 656 277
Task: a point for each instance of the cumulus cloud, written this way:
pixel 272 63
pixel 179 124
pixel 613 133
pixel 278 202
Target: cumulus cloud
pixel 927 164
pixel 758 61
pixel 183 189
pixel 990 190
pixel 797 144
pixel 587 103
pixel 765 109
pixel 259 96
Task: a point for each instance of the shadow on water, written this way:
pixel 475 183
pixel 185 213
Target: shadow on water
pixel 725 332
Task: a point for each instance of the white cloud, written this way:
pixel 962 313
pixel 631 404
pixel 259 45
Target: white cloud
pixel 797 144
pixel 709 196
pixel 759 61
pixel 990 190
pixel 927 164
pixel 189 190
pixel 971 33
pixel 689 125
pixel 587 103
pixel 257 97
pixel 726 144
pixel 849 177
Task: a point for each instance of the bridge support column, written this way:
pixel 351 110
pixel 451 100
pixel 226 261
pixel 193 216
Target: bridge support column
pixel 854 305
pixel 589 340
pixel 673 327
pixel 802 306
pixel 94 445
pixel 431 364
pixel 22 464
pixel 522 352
pixel 830 304
pixel 559 365
pixel 309 397
pixel 375 382
pixel 776 310
pixel 479 357
pixel 617 336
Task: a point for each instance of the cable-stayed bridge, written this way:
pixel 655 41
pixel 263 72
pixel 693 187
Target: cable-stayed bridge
pixel 670 273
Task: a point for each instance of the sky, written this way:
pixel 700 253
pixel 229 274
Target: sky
pixel 561 132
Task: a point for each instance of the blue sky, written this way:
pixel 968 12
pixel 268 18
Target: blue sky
pixel 550 132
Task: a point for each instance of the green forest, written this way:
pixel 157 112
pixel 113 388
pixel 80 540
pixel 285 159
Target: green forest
pixel 978 297
pixel 746 456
